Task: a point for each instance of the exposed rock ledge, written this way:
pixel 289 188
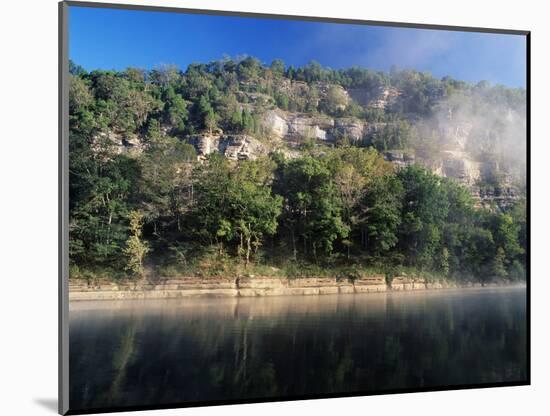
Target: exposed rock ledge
pixel 232 146
pixel 246 287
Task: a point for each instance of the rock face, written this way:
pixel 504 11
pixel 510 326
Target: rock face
pixel 294 127
pixel 223 287
pixel 407 283
pixel 350 128
pixel 399 159
pixel 502 196
pixel 455 135
pixel 187 287
pixel 305 127
pixel 116 144
pixel 232 146
pixel 458 165
pixel 205 144
pixel 286 131
pixel 277 125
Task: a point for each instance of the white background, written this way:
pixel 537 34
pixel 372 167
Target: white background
pixel 28 205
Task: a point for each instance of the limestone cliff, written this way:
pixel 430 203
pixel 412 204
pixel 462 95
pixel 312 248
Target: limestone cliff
pixel 232 146
pixel 453 141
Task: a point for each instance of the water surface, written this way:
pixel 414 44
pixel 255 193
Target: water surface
pixel 138 353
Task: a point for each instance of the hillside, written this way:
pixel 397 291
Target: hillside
pixel 158 130
pixel 474 133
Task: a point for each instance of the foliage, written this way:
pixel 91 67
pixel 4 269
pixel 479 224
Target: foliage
pixel 136 248
pixel 335 210
pixel 425 208
pixel 235 206
pixel 312 205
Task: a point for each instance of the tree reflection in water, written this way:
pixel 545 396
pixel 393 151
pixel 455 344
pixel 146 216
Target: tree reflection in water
pixel 160 352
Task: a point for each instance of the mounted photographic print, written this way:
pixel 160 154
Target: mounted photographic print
pixel 263 207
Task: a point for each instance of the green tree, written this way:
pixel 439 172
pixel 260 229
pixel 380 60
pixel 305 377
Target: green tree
pixel 236 205
pixel 247 121
pixel 443 260
pixel 478 246
pixel 278 67
pixel 80 94
pixel 166 184
pixel 381 214
pixel 425 207
pixel 124 106
pixel 100 190
pixel 237 120
pixel 354 170
pixel 135 249
pixel 335 100
pixel 498 267
pixel 175 110
pixel 282 100
pixel 206 114
pixel 256 209
pixel 313 207
pixel 506 233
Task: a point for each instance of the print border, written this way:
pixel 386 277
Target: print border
pixel 63 200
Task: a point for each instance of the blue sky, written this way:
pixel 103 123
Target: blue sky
pixel 117 39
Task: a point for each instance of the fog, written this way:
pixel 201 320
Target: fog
pixel 489 124
pixel 193 350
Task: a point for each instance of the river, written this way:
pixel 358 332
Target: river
pixel 141 353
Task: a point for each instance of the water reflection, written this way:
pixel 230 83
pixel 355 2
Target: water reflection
pixel 161 352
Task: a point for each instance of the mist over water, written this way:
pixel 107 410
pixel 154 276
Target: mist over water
pixel 165 352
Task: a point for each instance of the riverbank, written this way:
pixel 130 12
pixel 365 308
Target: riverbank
pixel 80 290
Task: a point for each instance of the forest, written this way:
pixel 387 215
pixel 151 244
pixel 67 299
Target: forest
pixel 333 209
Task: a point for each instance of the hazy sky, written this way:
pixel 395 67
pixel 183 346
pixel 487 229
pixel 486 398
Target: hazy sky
pixel 116 39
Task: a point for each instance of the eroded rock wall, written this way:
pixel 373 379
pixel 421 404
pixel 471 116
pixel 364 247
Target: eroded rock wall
pixel 248 287
pixel 232 146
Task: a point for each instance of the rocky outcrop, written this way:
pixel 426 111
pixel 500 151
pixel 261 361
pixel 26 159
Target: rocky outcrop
pixel 111 143
pixel 286 131
pixel 276 124
pixel 456 164
pixel 307 127
pixel 455 135
pixel 399 159
pixel 348 127
pixel 204 144
pixel 249 287
pixel 501 196
pixel 407 283
pixel 232 146
pixel 292 88
pixel 223 287
pixel 292 127
pixel 314 93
